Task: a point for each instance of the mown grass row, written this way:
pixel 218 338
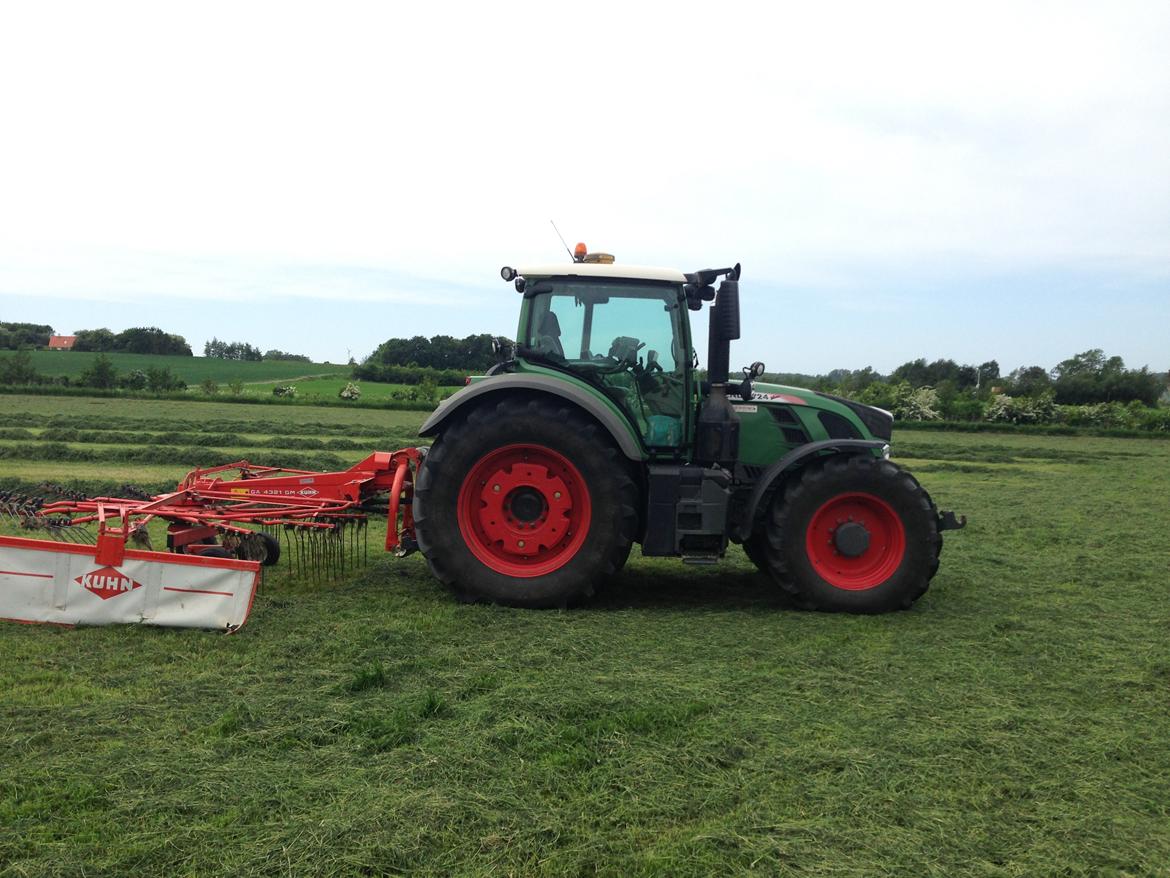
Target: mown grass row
pixel 372 402
pixel 688 722
pixel 110 437
pixel 147 425
pixel 1030 429
pixel 191 456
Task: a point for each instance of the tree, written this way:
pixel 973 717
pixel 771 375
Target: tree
pixel 151 340
pixel 17 368
pixel 161 380
pixel 1030 381
pixel 100 373
pixel 14 336
pixel 135 380
pixel 236 350
pixel 282 355
pixel 915 373
pixel 98 340
pixel 473 353
pixel 1091 377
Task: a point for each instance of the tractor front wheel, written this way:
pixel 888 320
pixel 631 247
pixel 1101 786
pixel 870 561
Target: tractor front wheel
pixel 853 534
pixel 525 503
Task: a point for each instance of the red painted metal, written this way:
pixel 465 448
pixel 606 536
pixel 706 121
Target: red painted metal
pixel 209 502
pixel 883 555
pixel 524 510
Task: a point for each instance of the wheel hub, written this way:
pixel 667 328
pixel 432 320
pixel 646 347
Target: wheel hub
pixel 526 505
pixel 851 539
pixel 855 541
pixel 524 510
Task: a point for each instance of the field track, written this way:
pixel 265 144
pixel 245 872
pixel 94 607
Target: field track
pixel 689 722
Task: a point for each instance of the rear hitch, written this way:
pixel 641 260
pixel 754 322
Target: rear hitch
pixel 948 521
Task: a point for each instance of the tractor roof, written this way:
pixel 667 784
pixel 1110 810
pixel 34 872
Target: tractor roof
pixel 586 269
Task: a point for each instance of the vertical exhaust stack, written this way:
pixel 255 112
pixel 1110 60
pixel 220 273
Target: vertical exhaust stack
pixel 717 434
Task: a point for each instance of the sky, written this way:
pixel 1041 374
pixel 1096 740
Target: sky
pixel 967 180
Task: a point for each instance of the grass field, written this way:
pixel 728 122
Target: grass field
pixel 193 370
pixel 689 722
pixel 329 387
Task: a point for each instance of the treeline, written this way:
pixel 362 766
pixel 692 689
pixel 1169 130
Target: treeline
pixel 236 350
pixel 17 370
pixel 470 354
pixel 137 340
pixel 370 371
pixel 244 352
pixel 17 336
pixel 1087 378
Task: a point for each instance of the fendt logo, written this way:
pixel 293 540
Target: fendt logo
pixel 107 583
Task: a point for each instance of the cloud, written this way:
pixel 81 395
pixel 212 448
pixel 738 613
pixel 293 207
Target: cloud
pixel 270 152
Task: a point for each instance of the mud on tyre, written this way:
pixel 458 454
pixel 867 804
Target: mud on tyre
pixel 525 502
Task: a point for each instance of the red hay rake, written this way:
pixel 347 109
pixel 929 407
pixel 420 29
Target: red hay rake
pixel 242 510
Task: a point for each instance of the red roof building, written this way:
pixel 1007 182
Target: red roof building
pixel 62 342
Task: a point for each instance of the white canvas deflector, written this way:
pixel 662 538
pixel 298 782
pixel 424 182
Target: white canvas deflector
pixel 65 584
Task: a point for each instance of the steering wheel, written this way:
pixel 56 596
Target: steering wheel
pixel 624 351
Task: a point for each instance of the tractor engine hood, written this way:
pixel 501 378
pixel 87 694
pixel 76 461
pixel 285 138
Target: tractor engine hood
pixel 879 422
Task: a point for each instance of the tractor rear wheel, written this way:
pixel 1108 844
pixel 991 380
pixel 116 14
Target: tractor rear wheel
pixel 756 549
pixel 853 534
pixel 526 503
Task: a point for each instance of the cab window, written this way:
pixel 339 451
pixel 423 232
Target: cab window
pixel 626 339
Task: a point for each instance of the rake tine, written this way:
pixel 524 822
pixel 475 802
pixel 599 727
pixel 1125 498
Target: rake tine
pixel 320 560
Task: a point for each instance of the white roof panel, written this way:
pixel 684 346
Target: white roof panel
pixel 588 269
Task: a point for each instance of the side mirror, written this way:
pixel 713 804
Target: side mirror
pixel 727 310
pixel 755 370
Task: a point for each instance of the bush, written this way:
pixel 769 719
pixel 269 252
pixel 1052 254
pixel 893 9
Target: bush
pixel 1156 420
pixel 1006 409
pixel 101 373
pixel 391 374
pixel 209 387
pixel 1102 414
pixel 285 390
pixel 134 380
pixel 880 394
pixel 350 391
pixel 162 380
pixel 18 369
pixel 964 408
pixel 920 404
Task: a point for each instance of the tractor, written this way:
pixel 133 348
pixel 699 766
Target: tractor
pixel 593 431
pixel 596 430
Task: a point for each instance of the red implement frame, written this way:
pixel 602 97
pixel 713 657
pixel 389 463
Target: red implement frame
pixel 206 503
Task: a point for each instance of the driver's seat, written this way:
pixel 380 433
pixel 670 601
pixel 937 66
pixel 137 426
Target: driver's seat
pixel 548 337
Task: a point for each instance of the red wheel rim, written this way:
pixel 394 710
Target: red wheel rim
pixel 829 548
pixel 524 510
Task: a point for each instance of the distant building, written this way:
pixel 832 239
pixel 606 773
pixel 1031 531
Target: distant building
pixel 62 342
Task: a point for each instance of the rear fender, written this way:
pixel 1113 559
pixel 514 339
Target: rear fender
pixel 567 389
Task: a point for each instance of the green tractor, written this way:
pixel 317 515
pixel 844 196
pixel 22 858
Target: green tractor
pixel 595 431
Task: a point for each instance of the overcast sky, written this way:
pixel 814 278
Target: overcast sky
pixel 975 181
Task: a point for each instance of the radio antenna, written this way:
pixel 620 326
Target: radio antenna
pixel 562 237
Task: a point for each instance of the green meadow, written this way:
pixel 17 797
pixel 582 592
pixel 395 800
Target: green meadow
pixel 689 721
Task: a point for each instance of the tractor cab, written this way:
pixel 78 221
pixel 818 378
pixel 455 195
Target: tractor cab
pixel 624 333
